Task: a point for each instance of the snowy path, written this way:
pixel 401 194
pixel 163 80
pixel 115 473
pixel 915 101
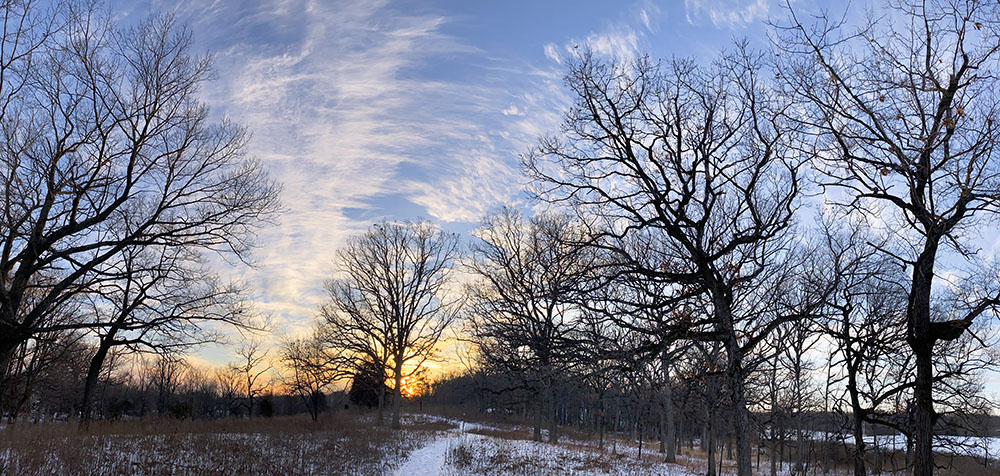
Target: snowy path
pixel 429 460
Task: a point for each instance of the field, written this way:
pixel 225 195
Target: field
pixel 339 444
pixel 336 445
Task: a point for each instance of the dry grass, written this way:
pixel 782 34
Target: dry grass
pixel 336 445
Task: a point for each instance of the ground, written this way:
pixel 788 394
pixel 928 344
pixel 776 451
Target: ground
pixel 340 444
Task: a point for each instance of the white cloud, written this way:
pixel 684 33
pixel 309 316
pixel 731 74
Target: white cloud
pixel 649 14
pixel 552 52
pixel 345 113
pixel 727 13
pixel 512 110
pixel 621 43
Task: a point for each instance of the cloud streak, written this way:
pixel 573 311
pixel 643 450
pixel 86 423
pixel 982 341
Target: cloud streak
pixel 361 110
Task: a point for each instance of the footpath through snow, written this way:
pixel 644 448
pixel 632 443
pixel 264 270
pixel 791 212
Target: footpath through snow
pixel 478 454
pixel 429 460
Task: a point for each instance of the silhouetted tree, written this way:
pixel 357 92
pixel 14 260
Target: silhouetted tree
pixel 703 161
pixel 906 109
pixel 105 144
pixel 391 305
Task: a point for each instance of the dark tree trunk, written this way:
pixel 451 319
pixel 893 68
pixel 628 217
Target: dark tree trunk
pixel 553 423
pixel 710 433
pixel 669 428
pixel 744 465
pixel 93 372
pixel 539 409
pixel 381 402
pixel 859 443
pixel 397 393
pixel 8 344
pixel 922 343
pixel 600 419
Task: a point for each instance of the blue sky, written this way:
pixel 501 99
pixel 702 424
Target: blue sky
pixel 374 109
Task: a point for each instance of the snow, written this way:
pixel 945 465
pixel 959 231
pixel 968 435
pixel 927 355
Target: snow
pixel 482 454
pixel 429 460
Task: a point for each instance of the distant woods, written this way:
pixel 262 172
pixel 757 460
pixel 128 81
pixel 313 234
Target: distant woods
pixel 778 253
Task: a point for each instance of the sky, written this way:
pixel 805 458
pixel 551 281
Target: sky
pixel 366 110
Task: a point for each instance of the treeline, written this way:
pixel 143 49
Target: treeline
pixel 779 233
pixel 132 385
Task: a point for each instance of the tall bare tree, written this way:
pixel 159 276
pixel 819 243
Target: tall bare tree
pixel 159 299
pixel 392 302
pixel 250 366
pixel 522 314
pixel 104 145
pixel 907 108
pixel 702 160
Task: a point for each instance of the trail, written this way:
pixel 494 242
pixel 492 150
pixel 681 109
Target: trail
pixel 428 460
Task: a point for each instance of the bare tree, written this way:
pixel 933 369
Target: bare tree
pixel 227 383
pixel 159 299
pixel 907 109
pixel 700 159
pixel 104 145
pixel 391 305
pixel 313 367
pixel 522 313
pixel 251 365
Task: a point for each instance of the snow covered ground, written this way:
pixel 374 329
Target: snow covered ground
pixel 429 460
pixel 461 453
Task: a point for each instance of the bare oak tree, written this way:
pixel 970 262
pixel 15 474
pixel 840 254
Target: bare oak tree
pixel 391 304
pixel 702 160
pixel 522 314
pixel 313 367
pixel 159 299
pixel 105 145
pixel 908 112
pixel 249 367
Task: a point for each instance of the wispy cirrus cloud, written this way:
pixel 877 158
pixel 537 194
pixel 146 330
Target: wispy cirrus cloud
pixel 728 13
pixel 364 110
pixel 621 39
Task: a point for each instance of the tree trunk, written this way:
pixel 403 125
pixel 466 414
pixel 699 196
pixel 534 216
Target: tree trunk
pixel 8 343
pixel 397 393
pixel 381 400
pixel 859 444
pixel 799 444
pixel 669 430
pixel 923 457
pixel 638 423
pixel 600 419
pixel 774 450
pixel 96 362
pixel 710 435
pixel 539 409
pixel 744 465
pixel 921 341
pixel 553 423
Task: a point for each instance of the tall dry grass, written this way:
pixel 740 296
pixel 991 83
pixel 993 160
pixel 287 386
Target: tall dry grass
pixel 342 444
